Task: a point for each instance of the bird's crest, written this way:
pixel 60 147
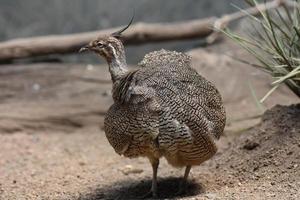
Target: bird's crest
pixel 118 33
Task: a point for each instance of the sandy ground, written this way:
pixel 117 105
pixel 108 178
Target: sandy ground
pixel 52 145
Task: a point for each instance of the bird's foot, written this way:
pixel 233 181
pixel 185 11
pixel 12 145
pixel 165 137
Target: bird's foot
pixel 149 195
pixel 183 183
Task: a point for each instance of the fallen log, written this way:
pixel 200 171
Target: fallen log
pixel 137 34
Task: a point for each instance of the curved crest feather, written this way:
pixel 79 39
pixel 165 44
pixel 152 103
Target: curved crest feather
pixel 119 32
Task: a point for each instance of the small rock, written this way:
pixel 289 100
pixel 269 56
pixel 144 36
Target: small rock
pixel 250 145
pixel 81 163
pixel 36 87
pixel 295 165
pixel 271 195
pixel 290 185
pixel 255 168
pixel 106 93
pixel 89 67
pixel 272 183
pixel 210 196
pixel 276 163
pixel 129 169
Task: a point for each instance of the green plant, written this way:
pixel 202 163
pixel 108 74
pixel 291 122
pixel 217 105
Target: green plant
pixel 275 43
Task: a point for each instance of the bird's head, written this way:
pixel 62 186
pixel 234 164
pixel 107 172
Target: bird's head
pixel 109 47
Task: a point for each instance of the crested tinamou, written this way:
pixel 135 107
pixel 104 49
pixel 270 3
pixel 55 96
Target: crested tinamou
pixel 162 109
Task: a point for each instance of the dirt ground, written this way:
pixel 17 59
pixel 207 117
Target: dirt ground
pixel 52 145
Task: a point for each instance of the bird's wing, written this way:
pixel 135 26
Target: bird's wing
pixel 187 95
pixel 175 86
pixel 131 129
pixel 155 66
pixel 140 85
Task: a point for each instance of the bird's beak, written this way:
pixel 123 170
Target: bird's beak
pixel 85 48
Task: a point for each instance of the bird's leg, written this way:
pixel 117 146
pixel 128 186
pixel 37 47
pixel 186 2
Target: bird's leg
pixel 154 164
pixel 183 183
pixel 186 173
pixel 153 191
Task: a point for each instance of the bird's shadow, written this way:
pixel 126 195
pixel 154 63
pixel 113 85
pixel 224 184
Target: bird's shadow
pixel 167 188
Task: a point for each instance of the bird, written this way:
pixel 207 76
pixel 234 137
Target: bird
pixel 162 108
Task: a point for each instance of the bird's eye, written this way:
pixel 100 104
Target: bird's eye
pixel 100 44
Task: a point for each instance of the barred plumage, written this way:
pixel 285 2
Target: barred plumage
pixel 167 100
pixel 163 108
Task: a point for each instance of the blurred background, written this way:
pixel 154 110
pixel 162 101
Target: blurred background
pixel 19 18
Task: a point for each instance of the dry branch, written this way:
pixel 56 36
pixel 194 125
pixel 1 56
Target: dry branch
pixel 137 34
pixel 223 22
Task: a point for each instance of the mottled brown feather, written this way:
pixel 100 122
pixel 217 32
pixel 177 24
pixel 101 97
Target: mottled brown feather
pixel 165 108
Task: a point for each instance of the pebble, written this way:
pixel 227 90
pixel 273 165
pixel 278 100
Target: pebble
pixel 129 169
pixel 272 183
pixel 210 196
pixel 271 195
pixel 81 163
pixel 295 165
pixel 250 145
pixel 36 87
pixel 106 93
pixel 89 67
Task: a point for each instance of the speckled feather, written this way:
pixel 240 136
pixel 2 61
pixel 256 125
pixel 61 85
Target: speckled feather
pixel 165 108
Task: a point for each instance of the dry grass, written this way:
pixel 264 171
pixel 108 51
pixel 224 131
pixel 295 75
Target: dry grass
pixel 275 43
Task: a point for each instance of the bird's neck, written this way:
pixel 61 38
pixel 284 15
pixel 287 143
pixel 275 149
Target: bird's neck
pixel 117 66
